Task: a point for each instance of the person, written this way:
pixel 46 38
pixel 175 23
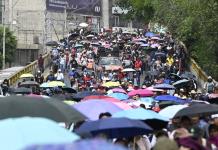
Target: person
pixel 50 77
pixel 39 77
pixel 59 76
pixel 62 63
pixel 209 86
pixel 73 63
pixel 41 63
pixel 105 115
pixel 5 87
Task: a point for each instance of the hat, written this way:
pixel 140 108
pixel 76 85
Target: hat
pixel 193 92
pixel 214 116
pixel 209 77
pixel 59 70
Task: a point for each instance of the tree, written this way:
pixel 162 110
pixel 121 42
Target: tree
pixel 10 46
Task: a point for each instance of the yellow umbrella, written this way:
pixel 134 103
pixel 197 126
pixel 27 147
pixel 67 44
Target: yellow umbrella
pixel 70 102
pixel 27 75
pixel 111 84
pixel 56 83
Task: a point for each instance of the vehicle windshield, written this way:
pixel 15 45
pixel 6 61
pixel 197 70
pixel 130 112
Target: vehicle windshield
pixel 110 61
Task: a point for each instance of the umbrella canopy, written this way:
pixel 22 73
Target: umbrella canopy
pixel 111 84
pixel 181 83
pixel 93 108
pixel 19 106
pixel 83 24
pixel 120 96
pixel 154 90
pixel 128 70
pixel 198 109
pixel 169 98
pixel 159 54
pixel 17 134
pixel 118 90
pixel 149 34
pixel 52 43
pixel 213 96
pixel 170 111
pixel 96 97
pixel 114 128
pixel 164 104
pixel 88 144
pixel 188 75
pixel 22 90
pixel 28 83
pixel 69 90
pixel 81 95
pixel 141 92
pixel 56 83
pixel 164 86
pixel 152 118
pixel 27 75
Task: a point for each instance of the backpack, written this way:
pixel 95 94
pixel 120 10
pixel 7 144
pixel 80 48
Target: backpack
pixel 210 87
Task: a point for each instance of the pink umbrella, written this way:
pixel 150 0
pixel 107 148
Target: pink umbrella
pixel 141 92
pixel 118 90
pixel 122 105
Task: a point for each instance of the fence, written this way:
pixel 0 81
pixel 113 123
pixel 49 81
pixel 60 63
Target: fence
pixel 31 68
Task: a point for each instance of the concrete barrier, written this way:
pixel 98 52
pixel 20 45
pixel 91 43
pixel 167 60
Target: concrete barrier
pixel 31 68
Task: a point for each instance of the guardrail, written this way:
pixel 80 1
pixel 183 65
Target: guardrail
pixel 31 68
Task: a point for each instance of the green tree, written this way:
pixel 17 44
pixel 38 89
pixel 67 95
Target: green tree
pixel 10 46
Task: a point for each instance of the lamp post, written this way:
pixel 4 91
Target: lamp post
pixel 3 38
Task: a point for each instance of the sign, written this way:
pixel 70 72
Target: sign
pixel 84 7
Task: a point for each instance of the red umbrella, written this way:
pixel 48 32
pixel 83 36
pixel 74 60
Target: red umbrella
pixel 141 92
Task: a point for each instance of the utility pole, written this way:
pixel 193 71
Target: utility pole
pixel 3 38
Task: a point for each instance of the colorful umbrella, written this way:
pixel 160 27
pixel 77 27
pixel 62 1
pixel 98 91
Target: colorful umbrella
pixel 111 84
pixel 88 144
pixel 120 96
pixel 96 97
pixel 56 83
pixel 164 86
pixel 118 90
pixel 128 70
pixel 81 95
pixel 27 75
pixel 93 108
pixel 170 111
pixel 141 92
pixel 17 134
pixel 114 128
pixel 169 98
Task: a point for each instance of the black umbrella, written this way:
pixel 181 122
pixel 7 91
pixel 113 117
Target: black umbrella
pixel 181 83
pixel 19 106
pixel 52 43
pixel 164 104
pixel 198 109
pixel 29 83
pixel 69 90
pixel 22 90
pixel 188 75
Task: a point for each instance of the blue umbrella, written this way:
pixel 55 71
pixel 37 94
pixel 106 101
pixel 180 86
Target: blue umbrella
pixel 19 133
pixel 152 118
pixel 114 128
pixel 169 98
pixel 120 96
pixel 149 34
pixel 81 95
pixel 164 86
pixel 93 144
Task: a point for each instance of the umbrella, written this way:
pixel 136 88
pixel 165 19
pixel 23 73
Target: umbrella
pixel 152 118
pixel 120 96
pixel 19 106
pixel 52 43
pixel 141 92
pixel 56 84
pixel 22 90
pixel 29 83
pixel 96 44
pixel 169 98
pixel 44 85
pixel 188 75
pixel 174 76
pixel 170 111
pixel 96 97
pixel 87 144
pixel 69 90
pixel 128 70
pixel 20 133
pixel 111 84
pixel 27 75
pixel 155 38
pixel 149 34
pixel 90 36
pixel 198 109
pixel 159 54
pixel 213 96
pixel 93 108
pixel 144 45
pixel 181 83
pixel 83 24
pixel 114 128
pixel 78 45
pixel 118 90
pixel 154 90
pixel 81 95
pixel 164 86
pixel 164 104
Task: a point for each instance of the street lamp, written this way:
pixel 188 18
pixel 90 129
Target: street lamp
pixel 3 38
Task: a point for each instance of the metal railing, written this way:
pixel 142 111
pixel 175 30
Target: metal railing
pixel 31 68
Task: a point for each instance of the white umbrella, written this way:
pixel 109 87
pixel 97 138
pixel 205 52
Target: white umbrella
pixel 90 36
pixel 128 70
pixel 83 24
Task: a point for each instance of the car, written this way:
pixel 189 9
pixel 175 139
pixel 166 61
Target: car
pixel 110 63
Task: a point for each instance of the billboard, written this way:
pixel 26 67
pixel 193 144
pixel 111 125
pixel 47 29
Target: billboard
pixel 84 7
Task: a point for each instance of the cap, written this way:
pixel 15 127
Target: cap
pixel 214 116
pixel 193 92
pixel 209 77
pixel 59 70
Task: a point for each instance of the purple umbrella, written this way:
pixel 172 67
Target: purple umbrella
pixel 154 45
pixel 94 144
pixel 92 109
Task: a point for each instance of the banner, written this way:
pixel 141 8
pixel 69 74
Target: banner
pixel 84 7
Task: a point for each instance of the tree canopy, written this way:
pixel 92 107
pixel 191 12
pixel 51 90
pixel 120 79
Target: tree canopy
pixel 195 22
pixel 10 46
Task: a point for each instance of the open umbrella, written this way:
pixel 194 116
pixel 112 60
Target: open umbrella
pixel 114 128
pixel 52 43
pixel 78 45
pixel 27 75
pixel 164 86
pixel 19 106
pixel 83 24
pixel 170 111
pixel 69 90
pixel 111 84
pixel 93 108
pixel 164 104
pixel 141 92
pixel 29 83
pixel 155 38
pixel 169 98
pixel 181 83
pixel 90 36
pixel 22 90
pixel 45 85
pixel 87 144
pixel 198 109
pixel 128 70
pixel 56 83
pixel 96 97
pixel 149 34
pixel 118 90
pixel 120 96
pixel 17 134
pixel 83 94
pixel 152 118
